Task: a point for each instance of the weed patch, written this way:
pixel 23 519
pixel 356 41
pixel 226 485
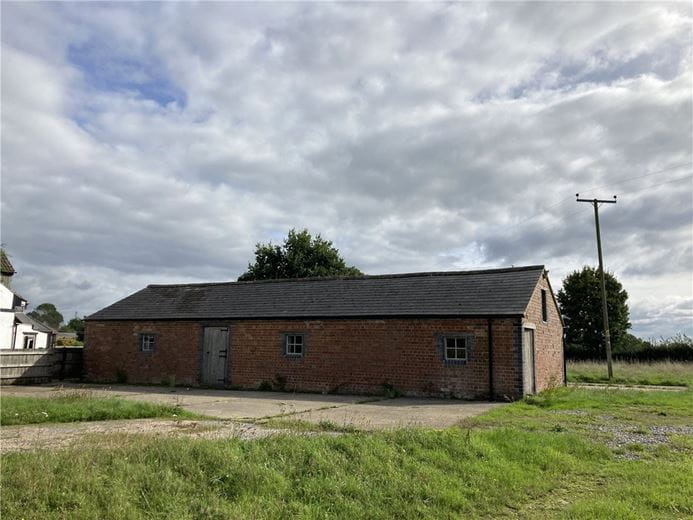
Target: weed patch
pixel 79 406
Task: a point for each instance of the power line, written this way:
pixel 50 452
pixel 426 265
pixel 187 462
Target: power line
pixel 557 220
pixel 659 184
pixel 626 179
pixel 620 181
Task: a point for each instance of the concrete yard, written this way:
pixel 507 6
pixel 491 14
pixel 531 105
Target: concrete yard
pixel 363 412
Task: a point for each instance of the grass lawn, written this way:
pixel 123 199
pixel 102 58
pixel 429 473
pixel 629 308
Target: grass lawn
pixel 657 373
pixel 79 406
pixel 569 453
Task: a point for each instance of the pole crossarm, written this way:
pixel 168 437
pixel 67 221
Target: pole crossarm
pixel 592 201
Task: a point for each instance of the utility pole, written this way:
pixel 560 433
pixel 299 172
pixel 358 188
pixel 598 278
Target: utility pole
pixel 607 337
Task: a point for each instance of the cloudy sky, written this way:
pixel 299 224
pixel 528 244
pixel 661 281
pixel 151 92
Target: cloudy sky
pixel 158 142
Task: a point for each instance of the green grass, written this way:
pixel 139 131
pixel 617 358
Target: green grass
pixel 79 406
pixel 580 410
pixel 539 458
pixel 656 373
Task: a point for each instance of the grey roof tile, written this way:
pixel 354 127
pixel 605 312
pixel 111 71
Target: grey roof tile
pixel 471 293
pixel 35 324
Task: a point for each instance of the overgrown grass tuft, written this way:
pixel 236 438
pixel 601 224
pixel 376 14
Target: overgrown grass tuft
pixel 665 373
pixel 300 425
pixel 79 406
pixel 402 474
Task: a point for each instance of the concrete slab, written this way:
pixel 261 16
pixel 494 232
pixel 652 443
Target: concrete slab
pixel 359 411
pixel 400 412
pixel 224 404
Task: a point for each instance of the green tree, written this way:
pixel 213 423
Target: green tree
pixel 580 300
pixel 76 325
pixel 48 314
pixel 301 256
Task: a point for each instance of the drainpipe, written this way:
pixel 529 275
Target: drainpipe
pixel 565 369
pixel 490 359
pixel 14 331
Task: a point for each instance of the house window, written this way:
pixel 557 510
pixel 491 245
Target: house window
pixel 455 349
pixel 293 344
pixel 29 342
pixel 147 342
pixel 544 309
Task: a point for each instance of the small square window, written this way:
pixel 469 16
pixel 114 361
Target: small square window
pixel 455 349
pixel 293 344
pixel 147 342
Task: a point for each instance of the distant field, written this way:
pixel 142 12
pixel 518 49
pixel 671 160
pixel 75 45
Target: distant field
pixel 656 373
pixel 79 406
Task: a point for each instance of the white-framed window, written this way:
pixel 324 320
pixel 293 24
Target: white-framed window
pixel 29 341
pixel 147 342
pixel 294 344
pixel 455 348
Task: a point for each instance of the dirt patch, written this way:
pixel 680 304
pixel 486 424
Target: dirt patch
pixel 54 436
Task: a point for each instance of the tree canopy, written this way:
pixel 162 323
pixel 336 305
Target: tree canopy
pixel 76 325
pixel 580 300
pixel 48 314
pixel 300 256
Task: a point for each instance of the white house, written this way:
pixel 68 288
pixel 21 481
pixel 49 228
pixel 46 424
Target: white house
pixel 18 330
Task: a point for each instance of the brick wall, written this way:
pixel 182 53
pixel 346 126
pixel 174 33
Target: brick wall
pixel 548 346
pixel 113 347
pixel 342 355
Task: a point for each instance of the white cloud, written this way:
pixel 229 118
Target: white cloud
pixel 159 142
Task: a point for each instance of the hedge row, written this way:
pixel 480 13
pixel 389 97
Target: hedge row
pixel 662 352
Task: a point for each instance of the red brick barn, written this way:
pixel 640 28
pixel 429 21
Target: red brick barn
pixel 466 334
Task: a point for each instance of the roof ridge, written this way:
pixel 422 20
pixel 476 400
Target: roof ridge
pixel 421 274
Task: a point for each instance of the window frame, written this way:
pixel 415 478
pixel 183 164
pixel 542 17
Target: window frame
pixel 442 345
pixel 289 339
pixel 456 348
pixel 544 306
pixel 150 338
pixel 29 338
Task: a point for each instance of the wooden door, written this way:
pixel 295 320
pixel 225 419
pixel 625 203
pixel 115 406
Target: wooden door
pixel 215 348
pixel 528 377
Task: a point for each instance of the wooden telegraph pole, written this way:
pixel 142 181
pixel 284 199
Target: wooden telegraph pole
pixel 607 337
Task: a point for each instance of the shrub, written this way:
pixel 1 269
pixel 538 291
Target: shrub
pixel 68 342
pixel 265 386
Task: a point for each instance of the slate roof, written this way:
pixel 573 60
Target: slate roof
pixel 493 292
pixel 5 264
pixel 35 324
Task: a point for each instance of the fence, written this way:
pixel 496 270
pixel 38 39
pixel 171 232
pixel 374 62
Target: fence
pixel 39 366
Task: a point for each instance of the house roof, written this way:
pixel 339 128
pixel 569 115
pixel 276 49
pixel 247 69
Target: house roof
pixel 35 324
pixel 5 264
pixel 491 292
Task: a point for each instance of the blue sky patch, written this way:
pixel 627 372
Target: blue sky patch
pixel 108 71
